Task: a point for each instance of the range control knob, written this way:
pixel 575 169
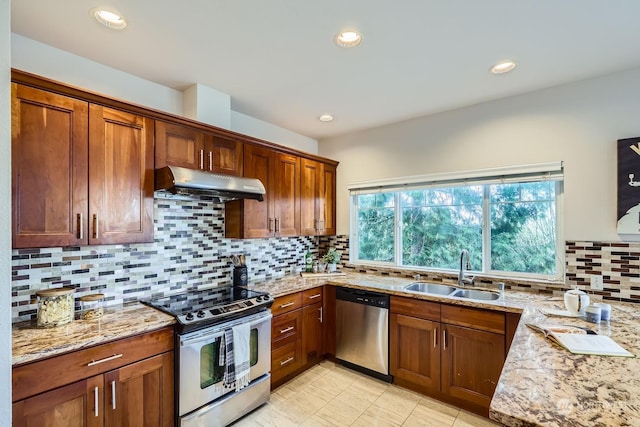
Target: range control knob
pixel 200 314
pixel 266 297
pixel 189 316
pixel 258 298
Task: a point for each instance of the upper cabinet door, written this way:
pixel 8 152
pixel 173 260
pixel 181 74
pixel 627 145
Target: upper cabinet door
pixel 317 198
pixel 224 155
pixel 257 217
pixel 286 200
pixel 49 168
pixel 120 177
pixel 179 146
pixel 309 197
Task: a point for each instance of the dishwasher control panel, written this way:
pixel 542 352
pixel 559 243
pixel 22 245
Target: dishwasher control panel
pixel 363 297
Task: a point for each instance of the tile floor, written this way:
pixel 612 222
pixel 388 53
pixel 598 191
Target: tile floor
pixel 332 395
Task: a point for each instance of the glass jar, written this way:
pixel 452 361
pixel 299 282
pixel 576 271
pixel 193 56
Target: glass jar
pixel 91 306
pixel 55 307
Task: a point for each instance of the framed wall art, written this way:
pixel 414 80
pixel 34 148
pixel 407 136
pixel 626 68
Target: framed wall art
pixel 629 186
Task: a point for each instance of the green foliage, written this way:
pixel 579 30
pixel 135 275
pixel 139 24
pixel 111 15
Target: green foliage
pixel 437 223
pixel 332 256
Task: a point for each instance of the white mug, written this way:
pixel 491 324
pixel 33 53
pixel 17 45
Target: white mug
pixel 575 301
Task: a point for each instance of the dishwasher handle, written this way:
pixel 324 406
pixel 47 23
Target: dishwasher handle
pixel 357 296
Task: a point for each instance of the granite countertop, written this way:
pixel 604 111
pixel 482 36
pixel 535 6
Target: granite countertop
pixel 541 383
pixel 30 343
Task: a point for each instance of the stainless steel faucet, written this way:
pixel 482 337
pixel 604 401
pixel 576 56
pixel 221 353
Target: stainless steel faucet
pixel 462 279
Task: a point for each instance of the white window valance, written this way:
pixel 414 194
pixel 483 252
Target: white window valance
pixel 551 171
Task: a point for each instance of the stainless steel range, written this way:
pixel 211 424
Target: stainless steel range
pixel 206 321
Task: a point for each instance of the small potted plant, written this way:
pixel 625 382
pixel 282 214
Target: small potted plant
pixel 331 258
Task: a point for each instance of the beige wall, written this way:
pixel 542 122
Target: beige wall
pixel 5 211
pixel 577 123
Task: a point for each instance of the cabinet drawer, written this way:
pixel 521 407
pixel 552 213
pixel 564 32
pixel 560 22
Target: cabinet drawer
pixel 27 380
pixel 312 296
pixel 286 328
pixel 476 318
pixel 286 303
pixel 417 308
pixel 285 360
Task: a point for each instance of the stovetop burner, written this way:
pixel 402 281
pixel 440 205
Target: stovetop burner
pixel 200 308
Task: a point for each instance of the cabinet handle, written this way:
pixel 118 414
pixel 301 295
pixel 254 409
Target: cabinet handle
pixel 277 225
pixel 79 224
pixel 106 359
pixel 435 338
pixel 284 362
pixel 285 330
pixel 322 225
pixel 289 304
pixel 201 159
pixel 271 228
pixel 315 296
pixel 95 401
pixel 95 226
pixel 210 161
pixel 444 338
pixel 316 224
pixel 320 318
pixel 113 395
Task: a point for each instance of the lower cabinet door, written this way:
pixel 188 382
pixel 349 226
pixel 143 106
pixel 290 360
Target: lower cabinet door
pixel 414 351
pixel 312 333
pixel 141 394
pixel 471 363
pixel 74 405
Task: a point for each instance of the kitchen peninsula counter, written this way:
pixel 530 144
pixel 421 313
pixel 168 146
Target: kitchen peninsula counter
pixel 541 383
pixel 30 343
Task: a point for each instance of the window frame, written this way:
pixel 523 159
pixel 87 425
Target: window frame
pixel 528 173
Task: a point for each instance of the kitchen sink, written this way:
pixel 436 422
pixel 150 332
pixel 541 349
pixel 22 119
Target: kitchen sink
pixel 452 291
pixel 476 294
pixel 430 288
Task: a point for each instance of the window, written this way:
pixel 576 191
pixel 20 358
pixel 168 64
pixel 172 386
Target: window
pixel 506 219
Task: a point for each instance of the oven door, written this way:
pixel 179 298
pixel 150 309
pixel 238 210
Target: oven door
pixel 200 375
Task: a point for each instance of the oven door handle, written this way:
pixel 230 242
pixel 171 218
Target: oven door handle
pixel 211 334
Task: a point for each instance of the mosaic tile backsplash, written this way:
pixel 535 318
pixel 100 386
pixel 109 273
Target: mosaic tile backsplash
pixel 190 251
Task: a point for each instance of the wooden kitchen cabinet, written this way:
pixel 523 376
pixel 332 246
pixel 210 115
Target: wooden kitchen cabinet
pixel 471 363
pixel 81 173
pixel 450 352
pixel 312 325
pixel 317 198
pixel 297 334
pixel 276 216
pixel 414 354
pixel 178 145
pixel 120 177
pixel 49 166
pixel 72 405
pixel 81 385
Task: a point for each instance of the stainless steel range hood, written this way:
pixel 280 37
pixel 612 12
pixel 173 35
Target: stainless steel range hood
pixel 185 181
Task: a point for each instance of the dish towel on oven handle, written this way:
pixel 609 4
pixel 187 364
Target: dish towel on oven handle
pixel 234 354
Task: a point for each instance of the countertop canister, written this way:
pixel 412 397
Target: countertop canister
pixel 55 307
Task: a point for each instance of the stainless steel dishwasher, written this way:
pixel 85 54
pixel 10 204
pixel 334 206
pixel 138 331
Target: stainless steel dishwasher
pixel 362 331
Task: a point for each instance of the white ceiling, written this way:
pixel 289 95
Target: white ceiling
pixel 277 60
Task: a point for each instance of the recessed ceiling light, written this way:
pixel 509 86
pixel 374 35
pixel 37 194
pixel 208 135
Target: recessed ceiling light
pixel 108 18
pixel 502 67
pixel 326 118
pixel 348 38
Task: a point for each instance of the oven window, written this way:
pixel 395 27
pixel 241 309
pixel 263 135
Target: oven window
pixel 211 371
